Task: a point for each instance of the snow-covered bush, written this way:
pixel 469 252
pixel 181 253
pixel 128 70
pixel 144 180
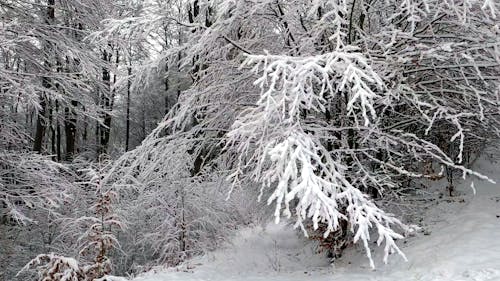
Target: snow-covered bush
pixel 34 191
pixel 56 268
pixel 88 230
pixel 171 215
pixel 31 183
pixel 99 239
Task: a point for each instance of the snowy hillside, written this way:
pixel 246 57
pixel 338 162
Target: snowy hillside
pixel 463 243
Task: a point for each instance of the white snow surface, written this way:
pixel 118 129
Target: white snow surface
pixel 463 245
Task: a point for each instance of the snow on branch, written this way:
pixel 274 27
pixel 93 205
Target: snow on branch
pixel 31 182
pixel 273 143
pixel 56 268
pixel 308 80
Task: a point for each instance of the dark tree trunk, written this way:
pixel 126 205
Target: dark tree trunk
pixel 46 83
pixel 85 130
pixel 70 130
pixel 193 11
pixel 40 126
pixel 52 125
pixel 167 87
pixel 127 133
pixel 143 127
pixel 58 135
pixel 70 115
pixel 106 104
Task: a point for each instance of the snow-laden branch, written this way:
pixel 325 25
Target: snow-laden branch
pixel 272 142
pixel 303 83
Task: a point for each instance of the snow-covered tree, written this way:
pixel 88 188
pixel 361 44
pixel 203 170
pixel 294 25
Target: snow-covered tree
pixel 214 114
pixel 332 104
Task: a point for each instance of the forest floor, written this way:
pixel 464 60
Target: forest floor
pixel 461 243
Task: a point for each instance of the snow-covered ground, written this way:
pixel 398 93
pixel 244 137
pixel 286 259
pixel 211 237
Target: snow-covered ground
pixel 463 244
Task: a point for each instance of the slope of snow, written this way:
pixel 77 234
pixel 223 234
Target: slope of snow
pixel 463 245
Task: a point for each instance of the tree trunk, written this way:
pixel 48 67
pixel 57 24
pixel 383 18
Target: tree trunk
pixel 70 130
pixel 52 126
pixel 106 104
pixel 127 133
pixel 40 126
pixel 58 136
pixel 46 83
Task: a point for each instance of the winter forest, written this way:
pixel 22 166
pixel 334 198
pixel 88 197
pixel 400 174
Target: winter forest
pixel 143 134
